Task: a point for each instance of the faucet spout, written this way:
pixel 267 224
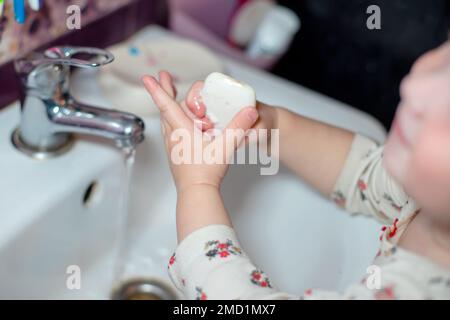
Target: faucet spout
pixel 50 115
pixel 126 129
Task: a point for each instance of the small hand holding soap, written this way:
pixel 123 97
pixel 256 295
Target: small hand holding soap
pixel 224 97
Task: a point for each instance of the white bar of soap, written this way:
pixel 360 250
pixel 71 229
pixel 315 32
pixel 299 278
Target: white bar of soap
pixel 224 97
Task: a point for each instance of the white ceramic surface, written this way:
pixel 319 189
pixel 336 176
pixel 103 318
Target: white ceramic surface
pixel 120 81
pixel 44 225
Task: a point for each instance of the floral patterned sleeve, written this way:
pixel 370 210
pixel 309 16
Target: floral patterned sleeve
pixel 210 265
pixel 365 187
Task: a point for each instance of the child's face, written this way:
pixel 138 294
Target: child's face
pixel 417 152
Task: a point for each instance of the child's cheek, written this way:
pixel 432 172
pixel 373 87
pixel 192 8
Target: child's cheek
pixel 428 180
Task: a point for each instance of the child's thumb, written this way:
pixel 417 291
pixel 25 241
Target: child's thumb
pixel 236 130
pixel 245 119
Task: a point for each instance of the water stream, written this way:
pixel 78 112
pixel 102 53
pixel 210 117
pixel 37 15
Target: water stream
pixel 123 220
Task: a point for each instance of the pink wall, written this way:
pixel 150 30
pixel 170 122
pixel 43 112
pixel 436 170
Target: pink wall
pixel 213 14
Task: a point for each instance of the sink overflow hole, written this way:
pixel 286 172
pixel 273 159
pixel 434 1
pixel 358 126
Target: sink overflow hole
pixel 89 194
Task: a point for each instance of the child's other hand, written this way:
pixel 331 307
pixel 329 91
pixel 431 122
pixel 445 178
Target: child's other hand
pixel 267 114
pixel 177 120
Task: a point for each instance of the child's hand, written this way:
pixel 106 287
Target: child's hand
pixel 176 120
pixel 267 114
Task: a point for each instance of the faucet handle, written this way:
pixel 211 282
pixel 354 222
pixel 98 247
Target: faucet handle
pixel 65 55
pixel 49 71
pixel 62 56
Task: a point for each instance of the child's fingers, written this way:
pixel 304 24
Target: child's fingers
pixel 168 107
pixel 235 132
pixel 194 101
pixel 196 106
pixel 206 124
pixel 166 130
pixel 166 81
pixel 201 123
pixel 244 120
pixel 167 134
pixel 167 84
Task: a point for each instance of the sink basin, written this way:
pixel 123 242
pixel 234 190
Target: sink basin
pixel 300 239
pixel 67 211
pixel 55 214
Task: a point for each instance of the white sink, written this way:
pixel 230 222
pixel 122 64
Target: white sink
pixel 300 239
pixel 46 226
pixel 297 237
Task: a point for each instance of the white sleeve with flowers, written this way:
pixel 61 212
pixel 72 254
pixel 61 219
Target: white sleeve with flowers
pixel 210 265
pixel 365 187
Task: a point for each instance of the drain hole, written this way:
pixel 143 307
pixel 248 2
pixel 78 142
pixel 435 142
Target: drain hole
pixel 90 193
pixel 143 290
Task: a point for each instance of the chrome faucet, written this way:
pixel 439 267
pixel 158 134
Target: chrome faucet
pixel 50 115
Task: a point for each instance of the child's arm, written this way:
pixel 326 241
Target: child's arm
pixel 315 151
pixel 198 206
pixel 340 164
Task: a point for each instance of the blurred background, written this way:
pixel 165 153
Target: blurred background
pixel 335 55
pixel 320 44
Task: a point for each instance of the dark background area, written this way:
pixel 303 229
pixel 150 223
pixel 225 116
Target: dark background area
pixel 336 54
